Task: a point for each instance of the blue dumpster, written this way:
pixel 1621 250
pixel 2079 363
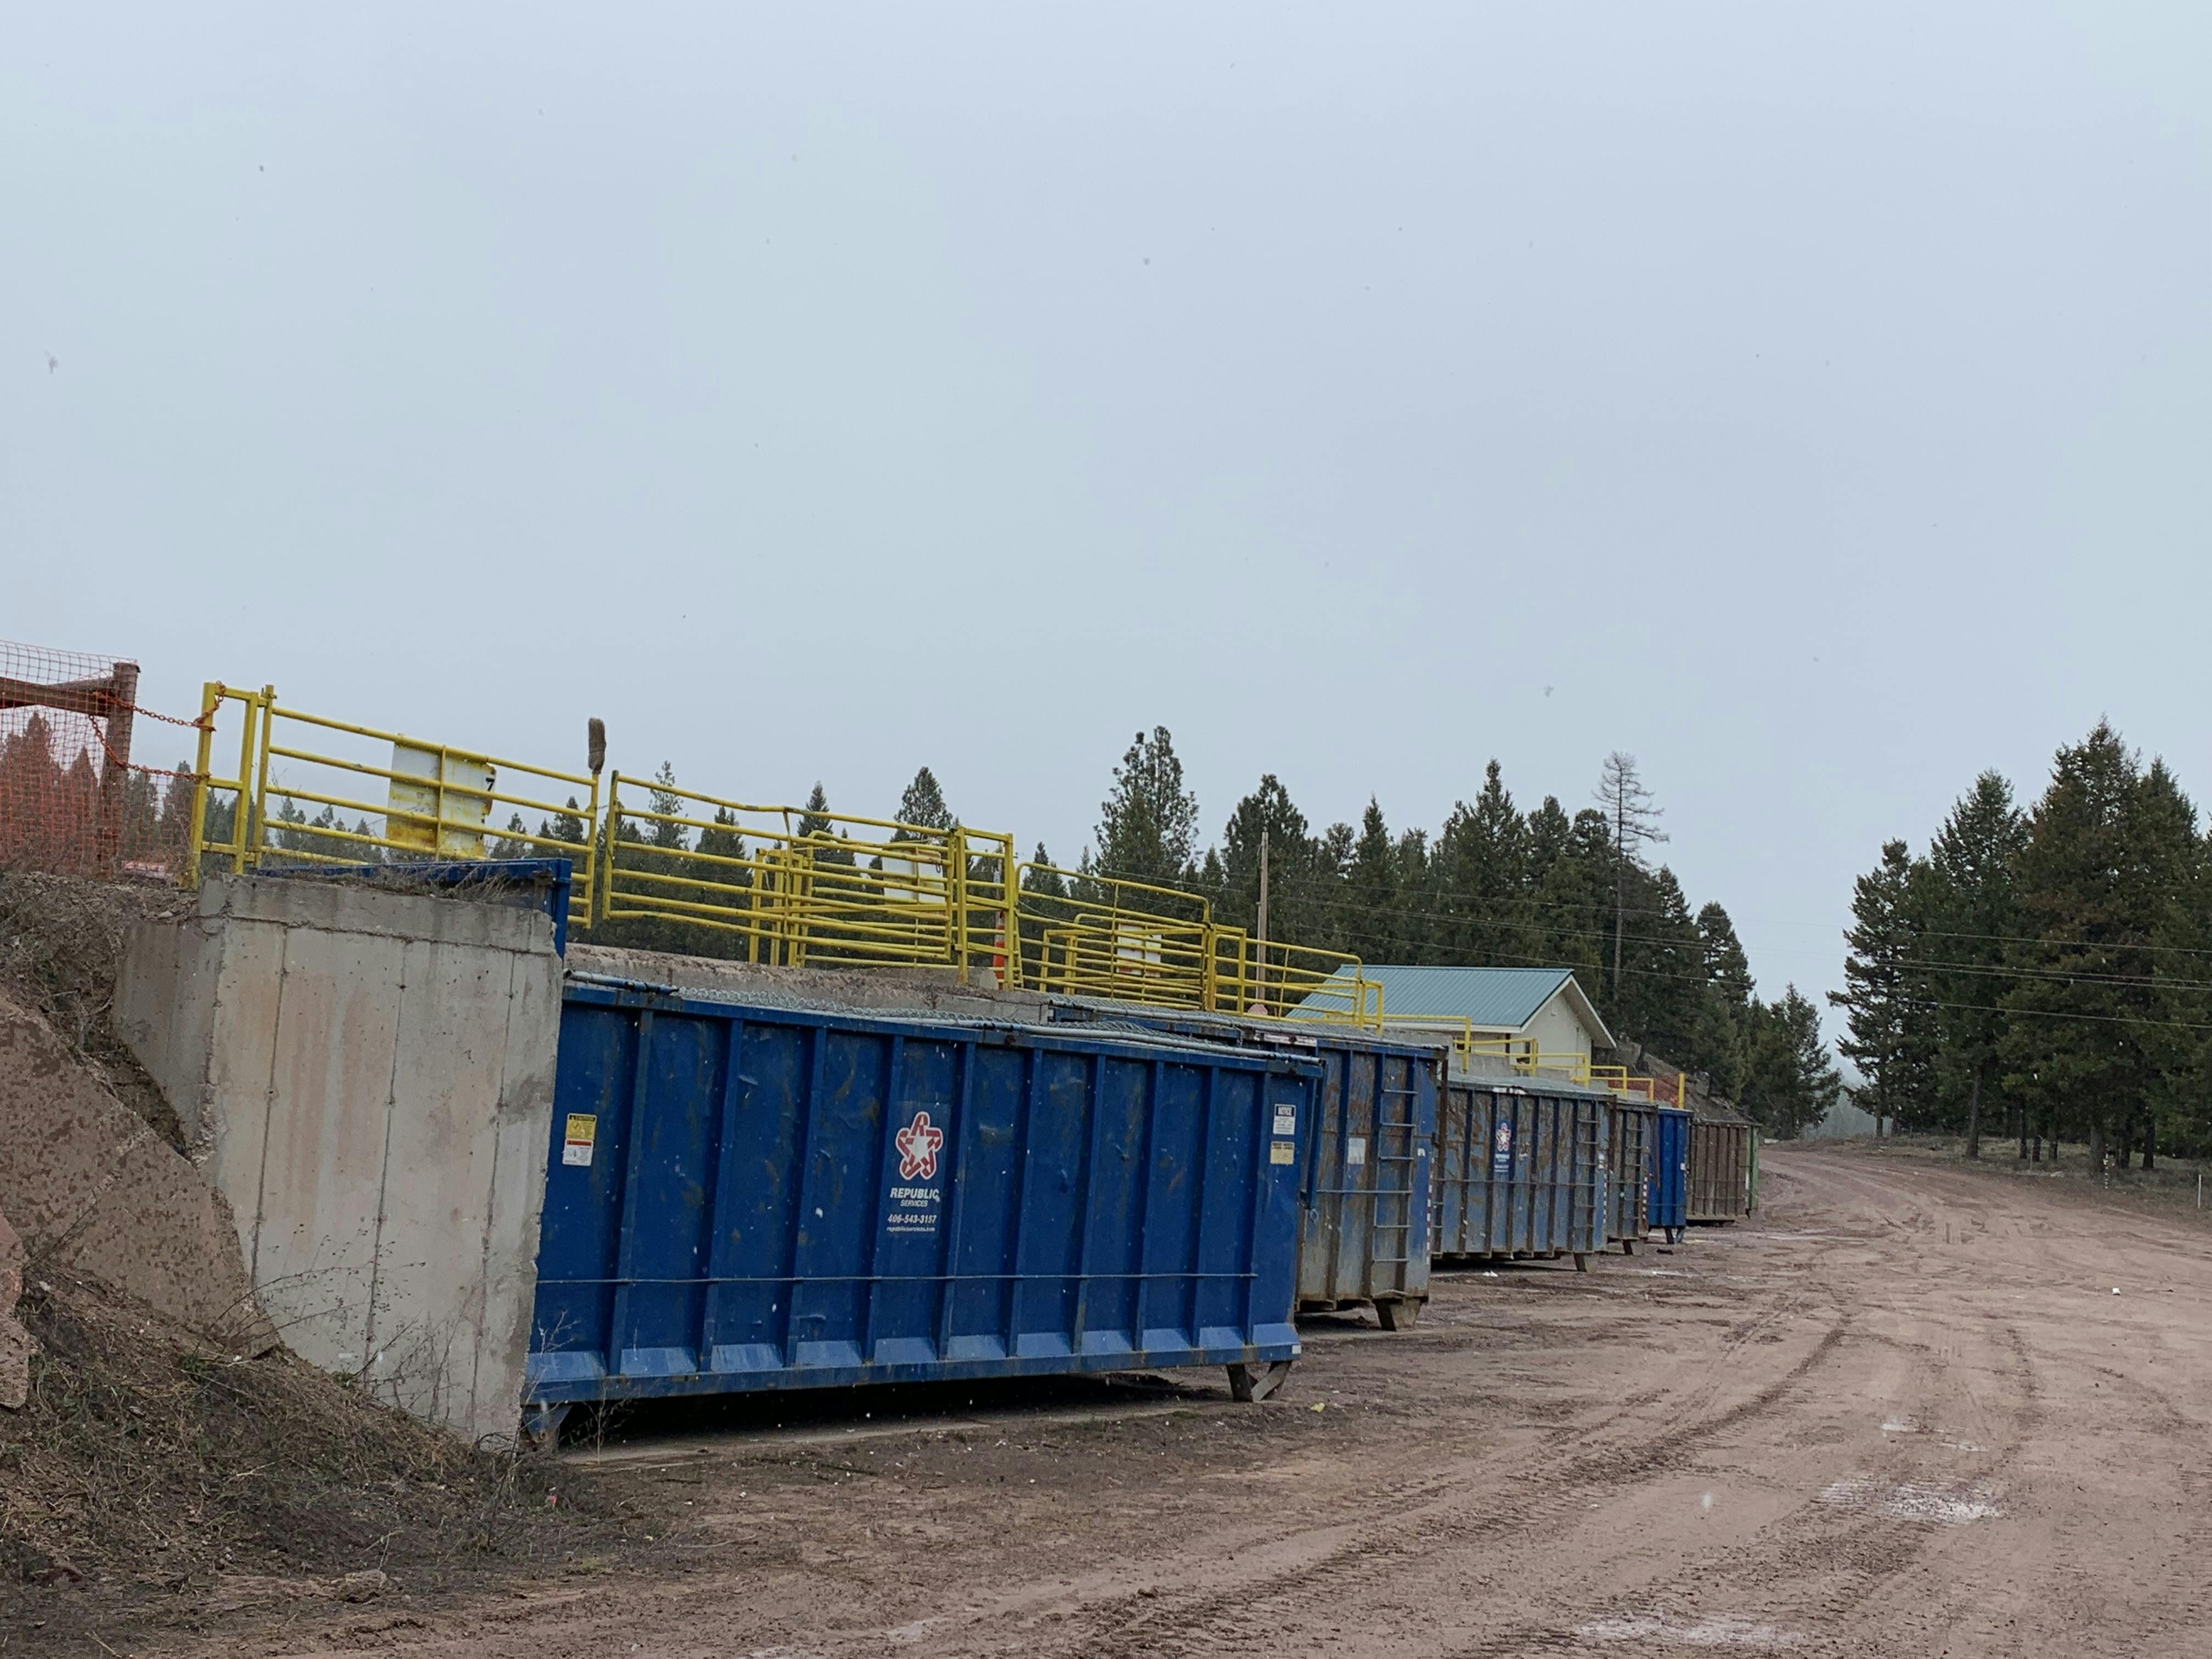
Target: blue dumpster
pixel 1519 1169
pixel 1363 1174
pixel 1670 1172
pixel 741 1197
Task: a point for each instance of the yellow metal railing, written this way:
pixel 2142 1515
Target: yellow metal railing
pixel 778 884
pixel 1083 934
pixel 436 801
pixel 798 888
pixel 1530 1060
pixel 1659 1091
pixel 1280 980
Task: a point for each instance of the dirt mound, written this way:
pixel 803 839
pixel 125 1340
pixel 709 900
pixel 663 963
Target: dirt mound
pixel 91 1189
pixel 61 944
pixel 171 1463
pixel 153 1477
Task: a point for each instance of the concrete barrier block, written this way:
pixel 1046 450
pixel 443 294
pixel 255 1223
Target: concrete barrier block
pixel 377 1104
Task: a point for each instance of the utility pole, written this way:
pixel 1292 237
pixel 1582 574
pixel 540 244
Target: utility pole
pixel 1263 930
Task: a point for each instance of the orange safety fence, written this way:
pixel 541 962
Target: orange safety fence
pixel 72 800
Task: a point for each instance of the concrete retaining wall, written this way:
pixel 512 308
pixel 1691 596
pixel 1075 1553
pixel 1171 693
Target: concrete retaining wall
pixel 367 1077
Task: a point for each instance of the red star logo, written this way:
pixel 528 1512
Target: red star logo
pixel 917 1149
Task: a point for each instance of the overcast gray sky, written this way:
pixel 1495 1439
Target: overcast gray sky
pixel 1817 403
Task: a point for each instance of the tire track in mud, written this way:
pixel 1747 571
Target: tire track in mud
pixel 1861 1562
pixel 1524 1478
pixel 1372 1544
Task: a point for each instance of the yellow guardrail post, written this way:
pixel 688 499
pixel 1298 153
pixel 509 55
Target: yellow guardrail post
pixel 955 858
pixel 258 818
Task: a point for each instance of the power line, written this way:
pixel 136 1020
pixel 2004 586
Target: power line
pixel 2058 975
pixel 2100 1019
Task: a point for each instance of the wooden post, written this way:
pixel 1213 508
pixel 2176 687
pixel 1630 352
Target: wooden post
pixel 115 768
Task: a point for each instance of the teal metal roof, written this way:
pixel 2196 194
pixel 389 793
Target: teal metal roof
pixel 1492 998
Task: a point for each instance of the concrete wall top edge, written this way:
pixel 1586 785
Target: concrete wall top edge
pixel 344 908
pixel 890 989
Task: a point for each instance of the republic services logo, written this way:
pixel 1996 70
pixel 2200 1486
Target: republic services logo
pixel 917 1149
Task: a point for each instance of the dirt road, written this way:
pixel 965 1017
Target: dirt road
pixel 1903 1412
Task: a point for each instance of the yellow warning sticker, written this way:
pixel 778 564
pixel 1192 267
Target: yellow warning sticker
pixel 1283 1151
pixel 576 1144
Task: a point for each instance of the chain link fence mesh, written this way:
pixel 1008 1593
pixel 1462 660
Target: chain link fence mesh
pixel 73 802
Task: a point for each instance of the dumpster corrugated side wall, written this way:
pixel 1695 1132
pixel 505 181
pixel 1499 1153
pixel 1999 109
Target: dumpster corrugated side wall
pixel 1518 1170
pixel 1670 1171
pixel 741 1198
pixel 1364 1226
pixel 1628 1166
pixel 1363 1179
pixel 1720 1170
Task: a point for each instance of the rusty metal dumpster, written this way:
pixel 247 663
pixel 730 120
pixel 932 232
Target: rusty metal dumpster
pixel 741 1197
pixel 1364 1176
pixel 1720 1170
pixel 1520 1170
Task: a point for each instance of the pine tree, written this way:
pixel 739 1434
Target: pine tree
pixel 2078 1039
pixel 1371 890
pixel 1880 978
pixel 1412 931
pixel 922 805
pixel 1482 860
pixel 814 816
pixel 1724 1006
pixel 1790 1082
pixel 1971 912
pixel 1662 990
pixel 1566 924
pixel 567 828
pixel 1293 862
pixel 667 805
pixel 1545 839
pixel 1148 825
pixel 1040 876
pixel 2166 894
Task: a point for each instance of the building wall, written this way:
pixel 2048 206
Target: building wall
pixel 1557 1030
pixel 368 1077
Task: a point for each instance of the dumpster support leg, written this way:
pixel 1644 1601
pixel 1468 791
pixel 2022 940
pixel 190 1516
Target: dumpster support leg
pixel 1398 1314
pixel 1245 1387
pixel 1628 1247
pixel 1582 1262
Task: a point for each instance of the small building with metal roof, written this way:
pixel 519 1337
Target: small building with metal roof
pixel 1542 1013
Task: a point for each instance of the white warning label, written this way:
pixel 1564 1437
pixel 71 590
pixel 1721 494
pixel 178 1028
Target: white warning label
pixel 576 1140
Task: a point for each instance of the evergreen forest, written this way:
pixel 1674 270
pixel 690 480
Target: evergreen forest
pixel 2043 972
